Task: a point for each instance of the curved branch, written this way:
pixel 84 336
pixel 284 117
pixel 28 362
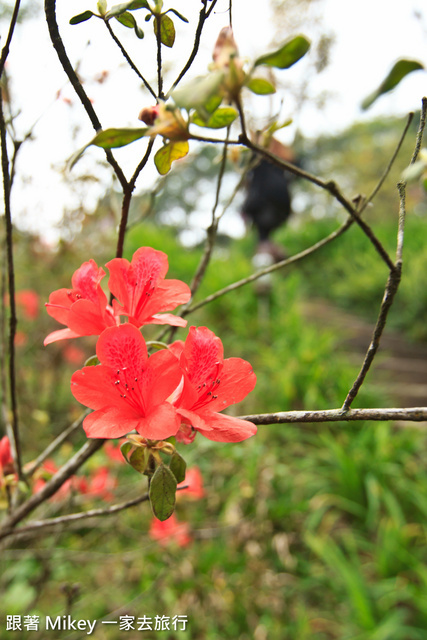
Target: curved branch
pixel 65 472
pixel 129 60
pixel 50 10
pixel 275 267
pixel 203 16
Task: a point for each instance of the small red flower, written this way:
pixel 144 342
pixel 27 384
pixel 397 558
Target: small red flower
pixel 49 469
pixel 84 308
pixel 142 290
pixel 6 460
pixel 28 300
pixel 194 483
pixel 210 385
pixel 170 530
pixel 100 484
pixel 128 390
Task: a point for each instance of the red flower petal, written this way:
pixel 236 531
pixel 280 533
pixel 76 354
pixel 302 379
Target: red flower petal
pixel 237 379
pixel 122 347
pixel 225 428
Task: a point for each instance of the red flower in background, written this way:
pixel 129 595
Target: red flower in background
pixel 142 291
pixel 194 483
pixel 128 390
pixel 6 460
pixel 114 451
pixel 210 385
pixel 99 484
pixel 170 530
pixel 28 300
pixel 84 308
pixel 48 469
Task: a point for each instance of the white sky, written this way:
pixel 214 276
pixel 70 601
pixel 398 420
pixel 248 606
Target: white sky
pixel 370 36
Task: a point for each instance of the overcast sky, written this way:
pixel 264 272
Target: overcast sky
pixel 369 36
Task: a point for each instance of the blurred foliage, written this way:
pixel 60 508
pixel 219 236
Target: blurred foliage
pixel 306 531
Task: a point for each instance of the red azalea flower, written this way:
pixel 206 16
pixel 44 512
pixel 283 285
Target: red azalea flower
pixel 28 300
pixel 99 484
pixel 128 390
pixel 170 530
pixel 84 308
pixel 6 460
pixel 194 483
pixel 49 469
pixel 142 290
pixel 210 385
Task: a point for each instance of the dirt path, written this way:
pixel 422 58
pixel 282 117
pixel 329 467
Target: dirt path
pixel 400 367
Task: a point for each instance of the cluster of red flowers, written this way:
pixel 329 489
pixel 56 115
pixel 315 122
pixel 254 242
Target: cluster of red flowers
pixel 100 483
pixel 176 391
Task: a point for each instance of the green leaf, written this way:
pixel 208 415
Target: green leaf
pixel 113 138
pixel 399 70
pixel 178 466
pixel 202 94
pixel 128 20
pixel 82 17
pixel 109 139
pixel 138 459
pixel 260 86
pixel 168 153
pixel 102 7
pixel 162 492
pixel 125 448
pixel 287 55
pixel 133 5
pixel 220 118
pixel 167 30
pixel 179 15
pixel 92 361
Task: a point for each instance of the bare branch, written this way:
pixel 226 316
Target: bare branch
pixel 12 25
pixel 275 267
pixel 393 280
pixel 331 187
pixel 203 16
pixel 65 472
pixel 11 286
pixel 414 414
pixel 50 10
pixel 129 60
pixel 33 466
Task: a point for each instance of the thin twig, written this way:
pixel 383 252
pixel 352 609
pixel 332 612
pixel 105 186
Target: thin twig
pixel 37 525
pixel 65 472
pixel 157 29
pixel 50 10
pixel 414 414
pixel 129 60
pixel 213 228
pixel 203 16
pixel 275 267
pixel 33 466
pixel 11 286
pixel 127 196
pixel 12 25
pixel 390 164
pixel 420 132
pixel 393 280
pixel 331 187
